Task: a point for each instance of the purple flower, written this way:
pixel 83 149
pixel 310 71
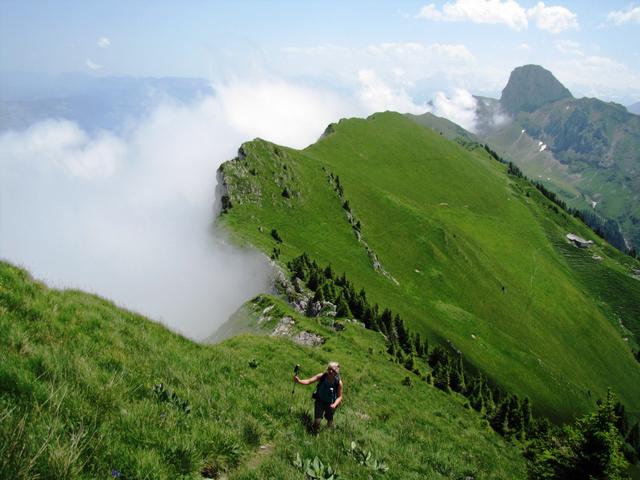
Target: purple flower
pixel 116 473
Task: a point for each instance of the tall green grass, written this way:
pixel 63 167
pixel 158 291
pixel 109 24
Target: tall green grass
pixel 80 397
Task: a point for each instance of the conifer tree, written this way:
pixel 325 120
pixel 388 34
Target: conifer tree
pixel 342 307
pixel 386 320
pixel 599 450
pixel 403 336
pixel 438 356
pixel 329 291
pixel 419 347
pixel 500 419
pixel 527 416
pixel 457 380
pixel 441 376
pixel 314 280
pixel 328 272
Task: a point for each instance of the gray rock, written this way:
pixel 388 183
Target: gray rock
pixel 309 339
pixel 284 327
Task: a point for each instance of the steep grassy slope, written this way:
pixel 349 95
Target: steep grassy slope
pixel 79 399
pixel 442 126
pixel 470 254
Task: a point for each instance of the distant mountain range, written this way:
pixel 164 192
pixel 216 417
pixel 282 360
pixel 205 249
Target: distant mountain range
pixel 585 149
pixel 635 108
pixel 92 102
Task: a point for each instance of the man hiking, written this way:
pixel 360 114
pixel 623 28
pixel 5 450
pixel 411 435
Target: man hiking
pixel 328 394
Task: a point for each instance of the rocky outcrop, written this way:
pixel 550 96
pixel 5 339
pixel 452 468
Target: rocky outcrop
pixel 285 328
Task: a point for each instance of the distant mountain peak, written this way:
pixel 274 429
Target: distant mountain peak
pixel 530 87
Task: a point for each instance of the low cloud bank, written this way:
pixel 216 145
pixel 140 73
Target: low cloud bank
pixel 130 217
pixel 376 94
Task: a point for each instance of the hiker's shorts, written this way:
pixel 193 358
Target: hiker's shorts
pixel 323 409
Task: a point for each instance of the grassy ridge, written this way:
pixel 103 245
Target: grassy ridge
pixel 473 252
pixel 79 399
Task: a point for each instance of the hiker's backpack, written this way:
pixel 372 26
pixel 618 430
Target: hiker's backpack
pixel 332 390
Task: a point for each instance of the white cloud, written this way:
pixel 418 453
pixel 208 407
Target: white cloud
pixel 319 50
pixel 376 95
pixel 130 216
pixel 60 144
pixel 92 65
pixel 459 108
pixel 554 19
pixel 507 12
pixel 524 46
pixel 442 50
pixel 598 76
pixel 262 109
pixel 569 47
pixel 448 62
pixel 619 17
pixel 104 42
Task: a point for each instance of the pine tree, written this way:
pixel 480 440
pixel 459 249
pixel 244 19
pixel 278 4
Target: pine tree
pixel 438 356
pixel 342 307
pixel 419 347
pixel 475 393
pixel 329 291
pixel 314 280
pixel 527 415
pixel 328 272
pixel 457 376
pixel 386 320
pixel 441 376
pixel 500 419
pixel 318 296
pixel 599 448
pixel 403 336
pixel 516 420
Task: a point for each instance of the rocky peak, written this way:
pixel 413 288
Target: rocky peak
pixel 530 87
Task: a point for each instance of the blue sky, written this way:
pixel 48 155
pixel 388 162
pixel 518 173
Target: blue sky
pixel 592 47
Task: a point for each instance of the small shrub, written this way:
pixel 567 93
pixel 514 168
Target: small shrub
pixel 163 394
pixel 366 458
pixel 276 236
pixel 315 469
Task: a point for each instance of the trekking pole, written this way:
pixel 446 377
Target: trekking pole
pixel 296 370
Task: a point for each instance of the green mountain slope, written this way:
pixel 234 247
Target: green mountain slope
pixel 80 397
pixel 441 125
pixel 464 252
pixel 585 149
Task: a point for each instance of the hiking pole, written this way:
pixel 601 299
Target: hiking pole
pixel 296 370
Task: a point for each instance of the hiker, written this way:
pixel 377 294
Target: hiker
pixel 328 394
